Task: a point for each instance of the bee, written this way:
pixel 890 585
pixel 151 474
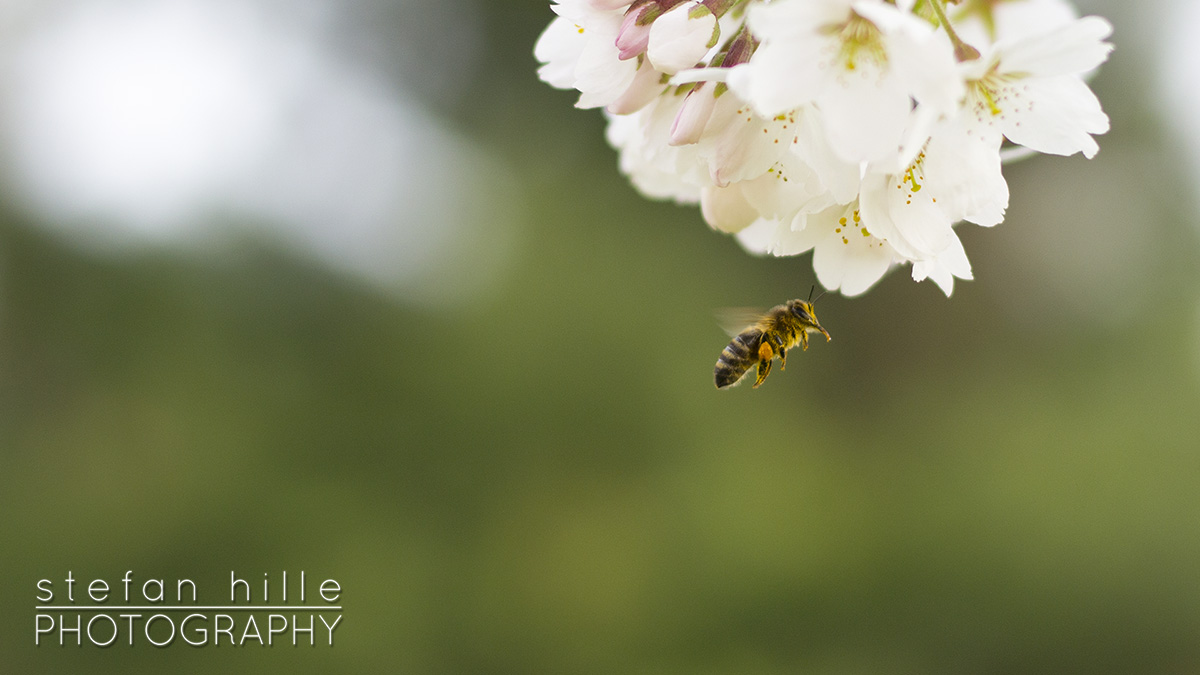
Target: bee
pixel 781 328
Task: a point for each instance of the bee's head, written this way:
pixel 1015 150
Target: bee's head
pixel 803 310
pixel 806 315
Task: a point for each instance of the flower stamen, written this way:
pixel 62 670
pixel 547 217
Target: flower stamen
pixel 860 40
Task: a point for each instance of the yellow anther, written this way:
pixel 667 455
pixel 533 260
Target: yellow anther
pixel 988 96
pixel 911 178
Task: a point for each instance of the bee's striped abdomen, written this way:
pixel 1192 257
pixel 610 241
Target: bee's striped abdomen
pixel 737 357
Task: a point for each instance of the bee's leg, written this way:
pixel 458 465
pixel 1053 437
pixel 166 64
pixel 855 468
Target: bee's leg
pixel 764 367
pixel 804 339
pixel 782 358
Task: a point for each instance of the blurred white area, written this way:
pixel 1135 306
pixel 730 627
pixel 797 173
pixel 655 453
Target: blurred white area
pixel 1179 78
pixel 1178 82
pixel 167 121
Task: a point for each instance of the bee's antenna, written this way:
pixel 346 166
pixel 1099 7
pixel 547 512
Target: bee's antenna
pixel 811 301
pixel 810 292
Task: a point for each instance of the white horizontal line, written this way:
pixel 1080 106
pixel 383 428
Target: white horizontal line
pixel 184 608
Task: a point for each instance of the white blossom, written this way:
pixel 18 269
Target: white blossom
pixel 579 51
pixel 847 257
pixel 861 130
pixel 983 23
pixel 859 62
pixel 1030 89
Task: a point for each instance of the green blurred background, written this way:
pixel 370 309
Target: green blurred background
pixel 516 462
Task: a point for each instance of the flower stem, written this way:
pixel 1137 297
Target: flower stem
pixel 962 50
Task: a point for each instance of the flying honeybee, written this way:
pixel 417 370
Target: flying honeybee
pixel 781 328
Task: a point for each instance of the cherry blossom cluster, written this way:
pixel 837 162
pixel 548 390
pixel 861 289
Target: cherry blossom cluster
pixel 862 130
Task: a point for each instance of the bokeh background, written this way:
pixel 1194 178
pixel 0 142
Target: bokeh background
pixel 339 286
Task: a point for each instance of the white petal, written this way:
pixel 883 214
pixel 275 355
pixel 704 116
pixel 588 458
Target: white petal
pixel 963 170
pixel 807 230
pixel 578 11
pixel 744 145
pixel 851 265
pixel 656 169
pixel 726 209
pixel 697 108
pixel 602 77
pixel 920 125
pixel 779 236
pixel 1056 115
pixel 865 115
pixel 950 263
pixel 1074 48
pixel 839 177
pixel 558 49
pixel 678 41
pixel 761 235
pixel 705 74
pixel 787 21
pixel 904 213
pixel 783 76
pixel 608 4
pixel 1013 20
pixel 787 188
pixel 886 18
pixel 646 86
pixel 1028 17
pixel 927 65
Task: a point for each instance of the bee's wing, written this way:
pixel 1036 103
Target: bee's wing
pixel 734 320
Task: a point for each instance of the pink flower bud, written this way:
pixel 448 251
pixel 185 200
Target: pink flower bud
pixel 634 35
